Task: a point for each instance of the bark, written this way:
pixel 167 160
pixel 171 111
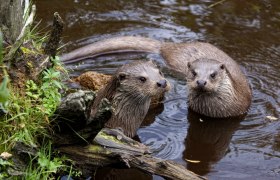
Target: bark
pixel 55 36
pixel 71 122
pixel 11 18
pixel 111 146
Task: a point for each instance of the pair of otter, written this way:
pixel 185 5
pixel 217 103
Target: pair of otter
pixel 217 86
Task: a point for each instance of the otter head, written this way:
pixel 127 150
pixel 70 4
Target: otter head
pixel 205 75
pixel 211 89
pixel 130 91
pixel 142 78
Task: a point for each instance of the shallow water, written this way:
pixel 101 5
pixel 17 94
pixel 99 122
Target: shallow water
pixel 248 31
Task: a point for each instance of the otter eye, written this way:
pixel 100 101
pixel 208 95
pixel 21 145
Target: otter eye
pixel 194 73
pixel 160 73
pixel 143 79
pixel 122 76
pixel 213 75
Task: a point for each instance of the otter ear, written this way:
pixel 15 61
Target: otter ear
pixel 222 66
pixel 122 76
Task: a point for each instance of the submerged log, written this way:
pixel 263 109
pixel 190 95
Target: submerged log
pixel 111 146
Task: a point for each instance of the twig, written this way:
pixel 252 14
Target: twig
pixel 216 3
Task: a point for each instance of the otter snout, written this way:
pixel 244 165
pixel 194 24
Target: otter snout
pixel 201 83
pixel 162 83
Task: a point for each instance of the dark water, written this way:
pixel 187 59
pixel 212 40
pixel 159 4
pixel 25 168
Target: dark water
pixel 249 31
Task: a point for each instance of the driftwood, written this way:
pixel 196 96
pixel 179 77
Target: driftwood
pixel 109 146
pixel 112 146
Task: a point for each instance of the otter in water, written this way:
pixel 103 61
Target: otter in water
pixel 217 86
pixel 130 91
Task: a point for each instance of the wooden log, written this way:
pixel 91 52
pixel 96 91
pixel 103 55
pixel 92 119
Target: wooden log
pixel 112 146
pixel 71 126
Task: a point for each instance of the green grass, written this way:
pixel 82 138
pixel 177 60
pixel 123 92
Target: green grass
pixel 29 113
pixel 28 121
pixel 48 164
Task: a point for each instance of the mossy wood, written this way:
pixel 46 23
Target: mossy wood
pixel 105 146
pixel 111 146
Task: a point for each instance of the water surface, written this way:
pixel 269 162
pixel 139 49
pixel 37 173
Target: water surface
pixel 248 31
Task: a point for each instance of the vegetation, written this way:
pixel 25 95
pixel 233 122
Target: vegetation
pixel 28 113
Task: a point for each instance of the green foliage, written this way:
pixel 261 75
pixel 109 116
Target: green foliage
pixel 29 114
pixel 4 165
pixel 36 37
pixel 1 48
pixel 4 91
pixel 29 119
pixel 47 94
pixel 45 165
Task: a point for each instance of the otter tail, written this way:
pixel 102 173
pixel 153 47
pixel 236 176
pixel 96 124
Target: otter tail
pixel 113 45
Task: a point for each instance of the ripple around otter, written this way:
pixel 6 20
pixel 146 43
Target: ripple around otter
pixel 165 136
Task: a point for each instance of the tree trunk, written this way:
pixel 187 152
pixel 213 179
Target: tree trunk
pixel 11 18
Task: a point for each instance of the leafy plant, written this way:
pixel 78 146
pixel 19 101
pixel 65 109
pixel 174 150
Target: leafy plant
pixel 4 165
pixel 4 91
pixel 47 94
pixel 29 112
pixel 45 165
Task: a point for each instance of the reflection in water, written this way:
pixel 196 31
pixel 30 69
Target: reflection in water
pixel 120 174
pixel 207 141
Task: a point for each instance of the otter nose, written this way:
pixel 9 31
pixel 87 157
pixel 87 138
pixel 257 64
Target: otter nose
pixel 162 83
pixel 201 83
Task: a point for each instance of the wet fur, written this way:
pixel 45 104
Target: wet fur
pixel 234 95
pixel 129 96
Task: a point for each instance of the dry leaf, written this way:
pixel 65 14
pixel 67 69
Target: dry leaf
pixel 272 118
pixel 193 161
pixel 5 155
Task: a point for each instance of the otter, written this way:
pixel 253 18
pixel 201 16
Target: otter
pixel 217 86
pixel 130 91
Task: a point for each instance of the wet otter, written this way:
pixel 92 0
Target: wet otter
pixel 213 91
pixel 130 91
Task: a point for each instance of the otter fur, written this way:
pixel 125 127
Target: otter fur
pixel 130 91
pixel 225 95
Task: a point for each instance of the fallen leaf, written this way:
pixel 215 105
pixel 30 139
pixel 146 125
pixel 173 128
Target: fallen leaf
pixel 5 155
pixel 272 118
pixel 193 161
